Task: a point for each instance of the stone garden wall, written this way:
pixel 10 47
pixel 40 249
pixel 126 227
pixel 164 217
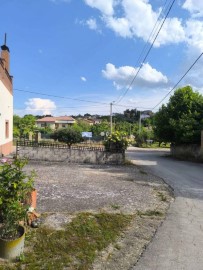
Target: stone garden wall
pixel 70 155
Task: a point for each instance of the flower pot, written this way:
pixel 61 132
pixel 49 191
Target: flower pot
pixel 31 199
pixel 10 249
pixel 34 199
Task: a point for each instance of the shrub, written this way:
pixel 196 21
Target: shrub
pixel 116 142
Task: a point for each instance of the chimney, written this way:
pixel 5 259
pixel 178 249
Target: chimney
pixel 5 55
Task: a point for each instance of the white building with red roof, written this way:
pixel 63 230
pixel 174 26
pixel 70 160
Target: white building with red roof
pixel 55 122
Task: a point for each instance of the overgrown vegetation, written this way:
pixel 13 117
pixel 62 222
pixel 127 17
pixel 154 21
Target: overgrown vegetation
pixel 74 248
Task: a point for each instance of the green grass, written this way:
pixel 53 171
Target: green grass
pixel 76 247
pixel 162 197
pixel 150 213
pixel 115 206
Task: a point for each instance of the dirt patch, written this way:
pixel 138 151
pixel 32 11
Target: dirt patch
pixel 64 190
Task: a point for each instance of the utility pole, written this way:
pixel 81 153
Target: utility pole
pixel 140 123
pixel 111 117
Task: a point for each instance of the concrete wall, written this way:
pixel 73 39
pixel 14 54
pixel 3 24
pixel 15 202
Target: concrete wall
pixel 188 152
pixel 70 155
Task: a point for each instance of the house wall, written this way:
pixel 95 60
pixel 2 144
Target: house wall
pixel 42 125
pixel 54 125
pixel 6 114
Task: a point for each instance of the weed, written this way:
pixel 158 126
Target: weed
pixel 150 213
pixel 162 197
pixel 75 247
pixel 115 206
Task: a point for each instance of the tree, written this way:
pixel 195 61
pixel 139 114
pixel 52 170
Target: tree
pixel 104 126
pixel 67 135
pixel 181 120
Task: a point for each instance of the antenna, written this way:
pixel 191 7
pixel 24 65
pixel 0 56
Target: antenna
pixel 5 39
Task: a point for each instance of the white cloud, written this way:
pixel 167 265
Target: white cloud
pixel 172 32
pixel 119 25
pixel 130 23
pixel 39 105
pixel 195 7
pixel 92 24
pixel 83 79
pixel 194 34
pixel 123 76
pixel 105 6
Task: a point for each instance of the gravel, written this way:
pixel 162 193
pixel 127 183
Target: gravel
pixel 66 189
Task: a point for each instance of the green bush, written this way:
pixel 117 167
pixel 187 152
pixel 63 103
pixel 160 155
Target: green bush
pixel 116 142
pixel 15 185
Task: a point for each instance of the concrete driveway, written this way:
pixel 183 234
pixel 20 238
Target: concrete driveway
pixel 178 243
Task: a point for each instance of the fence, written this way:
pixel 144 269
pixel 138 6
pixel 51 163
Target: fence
pixel 57 145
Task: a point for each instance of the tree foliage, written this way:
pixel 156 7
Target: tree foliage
pixel 23 126
pixel 181 120
pixel 67 135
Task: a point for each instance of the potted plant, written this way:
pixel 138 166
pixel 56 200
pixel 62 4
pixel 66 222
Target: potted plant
pixel 15 184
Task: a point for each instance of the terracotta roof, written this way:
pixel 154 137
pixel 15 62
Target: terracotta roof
pixel 58 118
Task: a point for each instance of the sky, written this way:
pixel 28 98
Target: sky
pixel 71 57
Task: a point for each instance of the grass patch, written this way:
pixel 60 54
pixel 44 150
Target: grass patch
pixel 162 197
pixel 115 206
pixel 150 213
pixel 74 248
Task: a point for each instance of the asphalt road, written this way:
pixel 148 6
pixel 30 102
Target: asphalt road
pixel 178 243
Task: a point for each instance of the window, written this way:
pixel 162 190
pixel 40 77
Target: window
pixel 7 129
pixel 63 125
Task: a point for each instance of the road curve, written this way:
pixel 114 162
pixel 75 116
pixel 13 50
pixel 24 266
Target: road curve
pixel 178 243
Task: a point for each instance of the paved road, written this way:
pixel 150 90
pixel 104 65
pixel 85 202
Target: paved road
pixel 178 243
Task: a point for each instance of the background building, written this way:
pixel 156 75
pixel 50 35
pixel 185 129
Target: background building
pixel 6 102
pixel 55 122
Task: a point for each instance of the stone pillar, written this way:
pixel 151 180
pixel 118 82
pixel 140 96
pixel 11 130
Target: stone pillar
pixel 37 136
pixel 30 136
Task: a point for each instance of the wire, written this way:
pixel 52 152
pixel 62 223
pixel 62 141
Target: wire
pixel 128 88
pixel 43 94
pixel 178 81
pixel 48 95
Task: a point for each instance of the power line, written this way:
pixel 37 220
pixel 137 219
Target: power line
pixel 76 99
pixel 128 88
pixel 179 80
pixel 49 95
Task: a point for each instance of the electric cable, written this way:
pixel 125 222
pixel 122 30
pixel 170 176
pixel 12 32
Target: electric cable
pixel 128 88
pixel 49 95
pixel 178 81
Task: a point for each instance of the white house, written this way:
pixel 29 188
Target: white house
pixel 6 102
pixel 55 122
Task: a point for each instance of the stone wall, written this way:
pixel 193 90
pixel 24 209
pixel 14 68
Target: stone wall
pixel 70 155
pixel 187 152
pixel 202 141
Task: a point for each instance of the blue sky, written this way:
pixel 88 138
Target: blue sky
pixel 78 56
